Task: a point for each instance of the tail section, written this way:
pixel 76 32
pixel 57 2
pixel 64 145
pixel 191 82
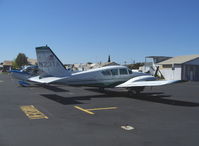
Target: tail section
pixel 49 63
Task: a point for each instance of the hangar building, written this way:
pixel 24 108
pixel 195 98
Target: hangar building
pixel 181 68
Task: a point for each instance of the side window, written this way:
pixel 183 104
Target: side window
pixel 106 73
pixel 114 72
pixel 130 71
pixel 123 71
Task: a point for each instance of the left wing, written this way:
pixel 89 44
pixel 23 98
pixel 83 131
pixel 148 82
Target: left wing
pixel 45 80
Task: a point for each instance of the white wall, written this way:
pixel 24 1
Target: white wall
pixel 170 74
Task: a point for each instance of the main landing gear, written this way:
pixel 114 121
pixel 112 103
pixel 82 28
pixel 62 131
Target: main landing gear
pixel 135 90
pixel 101 89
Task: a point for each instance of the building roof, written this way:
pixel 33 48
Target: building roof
pixel 7 63
pixel 109 64
pixel 158 57
pixel 32 61
pixel 179 59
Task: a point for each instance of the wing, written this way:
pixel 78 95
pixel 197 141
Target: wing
pixel 45 80
pixel 146 83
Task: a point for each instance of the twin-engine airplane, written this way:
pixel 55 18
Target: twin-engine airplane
pixel 54 72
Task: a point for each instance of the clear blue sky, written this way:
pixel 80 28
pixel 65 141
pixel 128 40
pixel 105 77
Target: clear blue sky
pixel 79 31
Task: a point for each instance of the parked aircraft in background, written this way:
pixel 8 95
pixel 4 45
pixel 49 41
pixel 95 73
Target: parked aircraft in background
pixel 54 72
pixel 25 72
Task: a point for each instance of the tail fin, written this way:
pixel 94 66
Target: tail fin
pixel 49 63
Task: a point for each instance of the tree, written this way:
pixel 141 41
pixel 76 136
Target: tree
pixel 21 60
pixel 135 66
pixel 14 65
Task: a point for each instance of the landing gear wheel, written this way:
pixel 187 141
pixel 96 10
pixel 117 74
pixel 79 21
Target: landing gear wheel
pixel 131 92
pixel 101 89
pixel 135 90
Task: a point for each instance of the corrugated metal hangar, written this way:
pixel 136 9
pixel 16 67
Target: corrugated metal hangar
pixel 181 68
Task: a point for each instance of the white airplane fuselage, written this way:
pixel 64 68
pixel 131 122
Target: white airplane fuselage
pixel 109 76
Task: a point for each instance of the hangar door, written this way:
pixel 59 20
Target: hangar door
pixel 191 72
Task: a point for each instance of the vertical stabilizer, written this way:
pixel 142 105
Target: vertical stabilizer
pixel 49 63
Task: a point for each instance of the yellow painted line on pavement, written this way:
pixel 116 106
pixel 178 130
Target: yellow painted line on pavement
pixel 84 110
pixel 106 108
pixel 32 113
pixel 94 109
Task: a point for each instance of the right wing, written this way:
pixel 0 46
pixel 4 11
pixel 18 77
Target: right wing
pixel 146 80
pixel 146 83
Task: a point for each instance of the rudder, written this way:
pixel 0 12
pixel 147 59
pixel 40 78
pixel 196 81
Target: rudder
pixel 49 63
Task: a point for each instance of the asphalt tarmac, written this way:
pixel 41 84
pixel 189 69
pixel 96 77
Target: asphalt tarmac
pixel 82 116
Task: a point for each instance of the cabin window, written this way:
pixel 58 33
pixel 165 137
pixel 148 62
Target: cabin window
pixel 123 71
pixel 106 73
pixel 130 71
pixel 114 72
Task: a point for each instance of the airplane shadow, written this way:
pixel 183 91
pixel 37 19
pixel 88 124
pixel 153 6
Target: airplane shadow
pixel 49 87
pixel 156 97
pixel 60 99
pixel 54 88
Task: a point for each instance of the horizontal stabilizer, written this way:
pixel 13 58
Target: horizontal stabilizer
pixel 45 80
